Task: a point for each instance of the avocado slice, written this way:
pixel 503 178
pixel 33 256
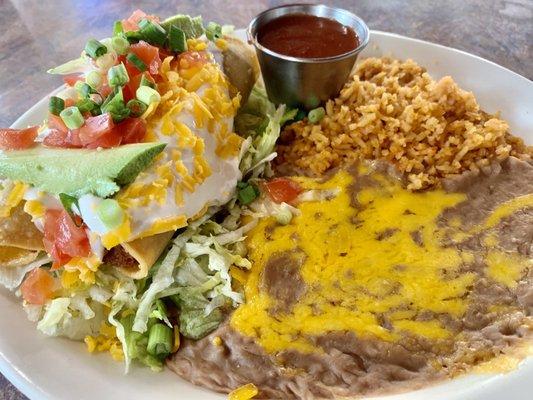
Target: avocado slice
pixel 192 27
pixel 78 171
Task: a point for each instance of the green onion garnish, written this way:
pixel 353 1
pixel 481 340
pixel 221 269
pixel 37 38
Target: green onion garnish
pixel 316 115
pixel 68 202
pixel 120 44
pixel 160 340
pixel 117 75
pixel 247 192
pixel 117 28
pixel 301 114
pixel 94 79
pixel 139 64
pixel 83 89
pixel 85 105
pixel 177 41
pixel 213 31
pixel 56 105
pixel 152 32
pixel 147 82
pixel 72 117
pixel 110 213
pixel 147 95
pixel 114 105
pixel 133 36
pixel 95 49
pixel 136 107
pixel 96 97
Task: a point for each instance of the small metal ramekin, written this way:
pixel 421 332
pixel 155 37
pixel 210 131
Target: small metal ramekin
pixel 306 82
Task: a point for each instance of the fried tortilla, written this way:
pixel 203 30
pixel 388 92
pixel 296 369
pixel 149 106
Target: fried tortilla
pixel 20 240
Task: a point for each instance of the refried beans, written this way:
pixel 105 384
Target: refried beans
pixel 378 288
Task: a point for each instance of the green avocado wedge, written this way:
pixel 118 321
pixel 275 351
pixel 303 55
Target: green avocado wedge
pixel 78 171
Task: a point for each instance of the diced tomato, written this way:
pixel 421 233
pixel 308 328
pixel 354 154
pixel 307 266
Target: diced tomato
pixel 132 23
pixel 17 139
pixel 95 128
pixel 72 79
pixel 148 54
pixel 55 122
pixel 59 135
pixel 282 189
pixel 105 90
pixel 132 130
pixel 110 139
pixel 63 239
pixel 38 287
pixel 190 59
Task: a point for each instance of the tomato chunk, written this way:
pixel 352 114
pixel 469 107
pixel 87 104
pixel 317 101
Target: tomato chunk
pixel 132 22
pixel 71 79
pixel 17 139
pixel 192 59
pixel 148 54
pixel 133 130
pixel 55 122
pixel 282 189
pixel 38 287
pixel 95 128
pixel 63 239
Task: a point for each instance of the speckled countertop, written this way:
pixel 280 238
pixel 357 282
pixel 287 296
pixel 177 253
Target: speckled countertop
pixel 37 35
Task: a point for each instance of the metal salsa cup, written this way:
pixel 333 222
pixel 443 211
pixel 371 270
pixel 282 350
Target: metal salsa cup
pixel 306 82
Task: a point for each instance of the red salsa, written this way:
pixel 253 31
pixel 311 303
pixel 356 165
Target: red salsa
pixel 307 36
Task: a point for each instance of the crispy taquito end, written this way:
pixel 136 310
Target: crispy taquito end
pixel 240 66
pixel 135 258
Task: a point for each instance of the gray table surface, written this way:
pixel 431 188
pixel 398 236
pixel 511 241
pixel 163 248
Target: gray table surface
pixel 37 35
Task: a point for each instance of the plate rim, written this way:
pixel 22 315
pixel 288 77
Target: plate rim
pixel 22 380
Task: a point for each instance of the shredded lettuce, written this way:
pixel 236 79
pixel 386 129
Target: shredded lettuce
pixel 71 317
pixel 261 122
pixel 79 65
pixel 12 277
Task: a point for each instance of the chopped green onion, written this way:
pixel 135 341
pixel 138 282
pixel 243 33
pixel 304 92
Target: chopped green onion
pixel 284 216
pixel 139 64
pixel 105 62
pixel 72 117
pixel 95 49
pixel 96 97
pixel 160 340
pixel 152 32
pixel 316 115
pixel 247 193
pixel 85 105
pixel 147 95
pixel 68 201
pixel 56 105
pixel 114 105
pixel 117 28
pixel 147 82
pixel 94 79
pixel 301 114
pixel 120 44
pixel 110 213
pixel 118 75
pixel 213 31
pixel 83 89
pixel 177 41
pixel 136 107
pixel 133 36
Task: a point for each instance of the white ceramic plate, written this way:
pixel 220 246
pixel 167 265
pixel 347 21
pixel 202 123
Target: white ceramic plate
pixel 54 368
